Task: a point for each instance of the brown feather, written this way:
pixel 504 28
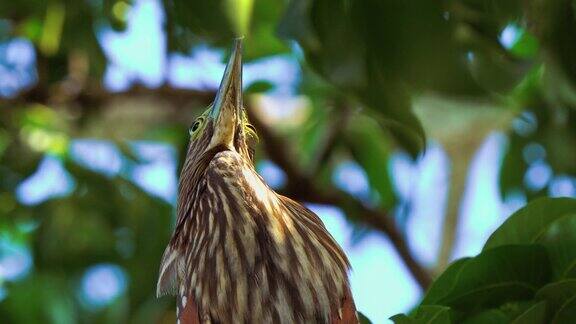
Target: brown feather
pixel 187 313
pixel 347 314
pixel 250 255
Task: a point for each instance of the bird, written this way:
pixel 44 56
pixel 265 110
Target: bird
pixel 240 252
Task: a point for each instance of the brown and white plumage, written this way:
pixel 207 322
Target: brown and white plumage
pixel 240 252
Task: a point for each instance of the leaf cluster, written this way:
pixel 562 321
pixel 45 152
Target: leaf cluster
pixel 526 273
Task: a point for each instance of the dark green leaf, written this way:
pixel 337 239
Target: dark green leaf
pixel 206 19
pixel 559 140
pixel 521 270
pixel 559 238
pixel 42 298
pixel 513 167
pixel 533 315
pixel 390 104
pixel 497 73
pixel 526 225
pixel 332 35
pixel 559 296
pixel 370 148
pixel 425 315
pixel 551 21
pixel 567 313
pixel 445 282
pixel 492 316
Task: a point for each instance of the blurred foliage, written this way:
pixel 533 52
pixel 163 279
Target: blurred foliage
pixel 525 273
pixel 364 63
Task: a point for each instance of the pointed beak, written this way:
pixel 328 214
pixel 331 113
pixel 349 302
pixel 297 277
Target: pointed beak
pixel 227 109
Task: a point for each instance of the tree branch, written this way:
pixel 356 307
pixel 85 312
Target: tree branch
pixel 95 95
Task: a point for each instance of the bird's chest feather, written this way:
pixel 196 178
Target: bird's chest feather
pixel 250 255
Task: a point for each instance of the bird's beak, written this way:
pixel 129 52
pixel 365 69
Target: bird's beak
pixel 226 112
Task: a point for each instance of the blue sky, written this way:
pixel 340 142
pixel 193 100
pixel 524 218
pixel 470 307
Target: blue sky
pixel 381 284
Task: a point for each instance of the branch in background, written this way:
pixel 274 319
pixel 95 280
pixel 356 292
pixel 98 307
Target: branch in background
pixel 302 187
pixel 95 95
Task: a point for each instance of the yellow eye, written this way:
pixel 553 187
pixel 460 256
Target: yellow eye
pixel 196 126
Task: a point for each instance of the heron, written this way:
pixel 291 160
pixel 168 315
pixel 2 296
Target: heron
pixel 240 252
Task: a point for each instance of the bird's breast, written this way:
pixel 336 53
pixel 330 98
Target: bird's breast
pixel 254 256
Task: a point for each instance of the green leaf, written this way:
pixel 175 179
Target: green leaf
pixel 390 104
pixel 425 315
pixel 529 223
pixel 445 282
pixel 322 28
pixel 526 46
pixel 217 22
pixel 371 149
pixel 513 166
pixel 506 273
pixel 206 19
pixel 497 73
pixel 492 316
pixel 296 24
pixel 332 35
pixel 560 144
pixel 559 297
pixel 567 313
pixel 310 133
pixel 551 21
pixel 559 239
pixel 534 315
pixel 45 297
pixel 239 13
pixel 259 87
pixel 547 221
pixel 261 40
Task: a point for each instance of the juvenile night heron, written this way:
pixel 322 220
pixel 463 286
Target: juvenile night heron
pixel 240 252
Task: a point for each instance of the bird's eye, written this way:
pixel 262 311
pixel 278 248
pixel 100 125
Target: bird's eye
pixel 195 126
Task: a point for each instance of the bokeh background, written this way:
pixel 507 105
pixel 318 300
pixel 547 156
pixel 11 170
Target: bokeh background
pixel 413 128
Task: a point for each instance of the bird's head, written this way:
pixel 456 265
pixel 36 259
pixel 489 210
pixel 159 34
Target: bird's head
pixel 223 125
